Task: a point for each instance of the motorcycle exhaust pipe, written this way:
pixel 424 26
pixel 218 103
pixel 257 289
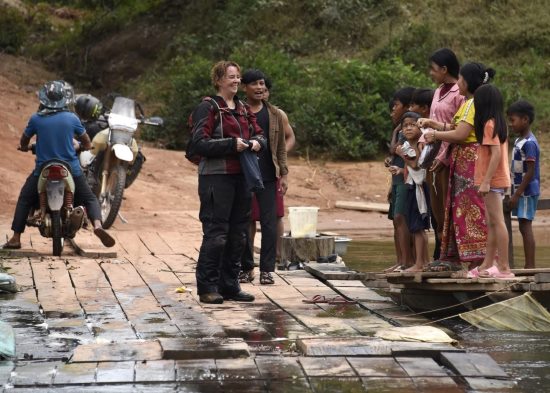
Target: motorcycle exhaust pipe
pixel 76 219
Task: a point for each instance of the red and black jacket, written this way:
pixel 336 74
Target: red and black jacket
pixel 217 146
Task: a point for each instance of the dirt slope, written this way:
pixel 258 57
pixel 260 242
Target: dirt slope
pixel 165 193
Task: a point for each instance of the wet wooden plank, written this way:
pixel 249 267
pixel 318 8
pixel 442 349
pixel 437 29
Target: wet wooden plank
pixel 421 367
pixel 362 294
pixel 118 351
pixel 542 278
pixel 115 372
pixel 473 365
pixel 237 369
pixel 252 386
pixel 21 270
pixel 131 291
pixel 88 250
pixel 6 367
pixel 345 283
pixel 34 373
pixel 21 253
pixel 491 385
pixel 530 272
pixel 179 264
pixel 437 384
pixel 54 287
pixel 196 370
pixel 75 373
pixel 347 384
pixel 367 346
pixel 131 243
pixel 87 274
pixel 185 348
pixel 377 367
pixel 181 243
pixel 297 385
pixel 279 367
pixel 389 385
pixel 327 367
pixel 154 243
pixel 156 371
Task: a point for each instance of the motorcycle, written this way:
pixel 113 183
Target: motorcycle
pixel 115 159
pixel 56 217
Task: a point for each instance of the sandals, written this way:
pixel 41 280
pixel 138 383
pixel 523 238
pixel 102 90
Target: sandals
pixel 329 300
pixel 266 278
pixel 105 238
pixel 493 272
pixel 443 266
pixel 246 276
pixel 12 246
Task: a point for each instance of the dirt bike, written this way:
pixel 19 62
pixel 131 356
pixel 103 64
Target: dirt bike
pixel 115 159
pixel 55 216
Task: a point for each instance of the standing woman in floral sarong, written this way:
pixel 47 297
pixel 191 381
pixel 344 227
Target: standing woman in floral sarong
pixel 464 230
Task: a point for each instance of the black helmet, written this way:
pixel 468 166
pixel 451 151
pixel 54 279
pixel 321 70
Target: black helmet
pixel 53 95
pixel 87 107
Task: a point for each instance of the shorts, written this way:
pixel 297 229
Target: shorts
pixel 255 214
pixel 417 222
pixel 526 207
pixel 398 203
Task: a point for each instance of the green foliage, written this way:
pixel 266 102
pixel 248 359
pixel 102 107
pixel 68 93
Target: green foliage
pixel 343 110
pixel 13 29
pixel 334 63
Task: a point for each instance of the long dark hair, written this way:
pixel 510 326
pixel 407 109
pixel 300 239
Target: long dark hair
pixel 489 104
pixel 476 74
pixel 445 57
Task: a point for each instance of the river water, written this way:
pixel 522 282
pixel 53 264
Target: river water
pixel 523 355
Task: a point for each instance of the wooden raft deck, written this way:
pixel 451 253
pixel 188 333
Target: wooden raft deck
pixel 134 323
pixel 443 293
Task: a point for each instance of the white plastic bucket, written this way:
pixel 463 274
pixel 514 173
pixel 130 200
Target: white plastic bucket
pixel 303 221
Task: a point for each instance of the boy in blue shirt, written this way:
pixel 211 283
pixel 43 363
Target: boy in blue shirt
pixel 525 173
pixel 54 127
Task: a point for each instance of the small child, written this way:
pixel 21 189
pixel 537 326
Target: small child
pixel 399 105
pixel 418 212
pixel 525 175
pixel 492 177
pixel 421 102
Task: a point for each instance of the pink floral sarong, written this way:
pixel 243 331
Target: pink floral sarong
pixel 465 229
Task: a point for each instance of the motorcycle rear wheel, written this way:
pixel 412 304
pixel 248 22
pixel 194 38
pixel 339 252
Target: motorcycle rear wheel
pixel 57 236
pixel 111 201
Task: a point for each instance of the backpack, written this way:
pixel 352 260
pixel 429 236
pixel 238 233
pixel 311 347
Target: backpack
pixel 189 149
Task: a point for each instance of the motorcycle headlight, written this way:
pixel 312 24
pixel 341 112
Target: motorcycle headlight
pixel 121 136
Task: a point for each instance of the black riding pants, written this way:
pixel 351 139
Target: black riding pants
pixel 28 198
pixel 225 214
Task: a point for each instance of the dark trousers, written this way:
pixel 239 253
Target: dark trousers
pixel 28 199
pixel 268 222
pixel 225 214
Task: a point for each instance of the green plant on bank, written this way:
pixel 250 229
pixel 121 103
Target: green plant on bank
pixel 13 30
pixel 334 63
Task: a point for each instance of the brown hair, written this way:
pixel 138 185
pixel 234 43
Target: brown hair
pixel 219 69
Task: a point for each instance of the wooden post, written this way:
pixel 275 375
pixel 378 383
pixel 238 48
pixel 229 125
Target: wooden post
pixel 305 249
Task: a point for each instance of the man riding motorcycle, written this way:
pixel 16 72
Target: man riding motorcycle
pixel 54 126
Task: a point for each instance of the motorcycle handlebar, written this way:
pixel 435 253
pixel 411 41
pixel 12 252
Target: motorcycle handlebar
pixel 153 121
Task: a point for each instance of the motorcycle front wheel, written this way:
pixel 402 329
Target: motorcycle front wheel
pixel 112 199
pixel 57 236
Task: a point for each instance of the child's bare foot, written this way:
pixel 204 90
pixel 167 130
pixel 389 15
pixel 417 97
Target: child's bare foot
pixel 391 268
pixel 414 268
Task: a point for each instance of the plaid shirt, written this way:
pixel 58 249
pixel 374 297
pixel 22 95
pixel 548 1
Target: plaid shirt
pixel 525 149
